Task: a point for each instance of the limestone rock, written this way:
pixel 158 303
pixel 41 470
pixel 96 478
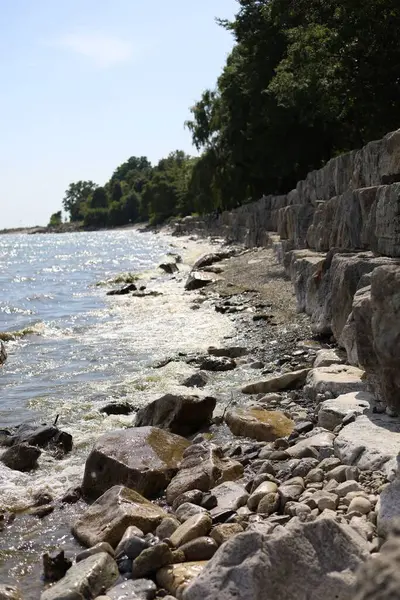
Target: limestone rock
pixel 107 519
pixel 319 445
pixel 183 415
pixel 176 578
pixel 202 472
pixel 315 560
pixel 86 579
pixel 143 458
pixel 389 507
pixel 326 358
pixel 21 457
pixel 293 380
pixel 196 526
pixel 336 379
pixel 230 495
pixel 259 424
pixel 332 412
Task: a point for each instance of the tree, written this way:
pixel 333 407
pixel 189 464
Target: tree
pixel 55 219
pixel 75 198
pixel 117 192
pixel 99 198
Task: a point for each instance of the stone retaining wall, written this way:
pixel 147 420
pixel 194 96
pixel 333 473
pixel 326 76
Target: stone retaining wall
pixel 338 235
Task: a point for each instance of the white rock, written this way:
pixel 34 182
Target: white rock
pixel 321 442
pixel 348 486
pixel 327 357
pixel 361 505
pixel 333 411
pixel 336 379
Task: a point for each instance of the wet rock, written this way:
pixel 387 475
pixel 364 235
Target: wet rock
pixel 41 498
pixel 139 589
pixel 152 559
pixel 169 267
pixel 42 511
pixel 72 495
pixel 293 380
pixel 217 363
pixel 202 472
pixel 131 532
pixel 229 352
pixel 102 547
pixel 3 353
pixel 117 408
pixel 192 496
pixel 9 592
pixel 176 578
pixel 143 458
pixel 182 415
pixel 107 519
pixel 230 495
pixel 127 289
pixel 222 533
pixel 199 379
pixel 198 280
pixel 55 566
pixel 187 510
pixel 21 457
pixel 332 412
pixel 258 424
pixel 86 579
pixel 167 527
pixel 305 560
pixel 202 548
pixel 196 526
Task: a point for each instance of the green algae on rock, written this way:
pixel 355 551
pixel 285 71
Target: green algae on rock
pixel 258 424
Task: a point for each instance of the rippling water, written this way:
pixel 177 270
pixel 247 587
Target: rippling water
pixel 86 349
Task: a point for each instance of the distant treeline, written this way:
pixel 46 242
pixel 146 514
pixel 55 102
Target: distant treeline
pixel 305 81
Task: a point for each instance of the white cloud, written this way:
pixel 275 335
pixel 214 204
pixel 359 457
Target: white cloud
pixel 103 50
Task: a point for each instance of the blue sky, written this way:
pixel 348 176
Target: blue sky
pixel 87 83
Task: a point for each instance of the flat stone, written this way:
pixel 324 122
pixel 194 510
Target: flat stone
pixel 176 578
pixel 293 380
pixel 199 279
pixel 179 414
pixel 371 443
pixel 261 425
pixel 107 519
pixel 230 495
pixel 144 459
pixel 336 379
pixel 318 446
pixel 196 526
pixel 332 412
pixel 86 579
pixel 326 358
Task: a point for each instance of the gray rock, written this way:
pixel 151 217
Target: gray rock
pixel 123 456
pixel 217 363
pixel 55 565
pixel 315 560
pixel 130 532
pixel 191 496
pixel 229 352
pixel 196 526
pixel 389 507
pixel 187 510
pixel 3 353
pixel 277 383
pixel 319 445
pixel 336 379
pixel 167 527
pixel 151 559
pixel 86 579
pixel 202 548
pixel 102 547
pixel 21 457
pixel 139 589
pixel 230 495
pixel 332 412
pixel 198 280
pixel 199 379
pixel 134 546
pixel 326 358
pixel 182 415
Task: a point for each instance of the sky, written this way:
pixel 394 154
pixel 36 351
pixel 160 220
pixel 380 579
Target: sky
pixel 85 84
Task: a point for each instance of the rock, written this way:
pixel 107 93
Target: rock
pixel 196 526
pixel 191 496
pixel 167 527
pixel 389 507
pixel 169 267
pixel 102 547
pixel 199 379
pixel 209 259
pixel 3 355
pixel 291 490
pixel 176 578
pixel 202 548
pixel 371 442
pixel 267 487
pixel 134 546
pixel 338 474
pixel 127 289
pixel 268 504
pixel 230 352
pixel 336 379
pixel 315 476
pixel 55 566
pixel 117 408
pixel 346 487
pixel 202 472
pixel 332 412
pixel 144 459
pixel 361 505
pixel 138 589
pixel 187 510
pixel 21 457
pixel 131 532
pixel 182 415
pixel 293 380
pixel 326 358
pixel 86 579
pixel 198 280
pixel 107 519
pixel 315 560
pixel 304 466
pixel 258 424
pixel 222 533
pixel 217 363
pixel 9 592
pixel 152 559
pixel 318 446
pixel 230 495
pixel 72 495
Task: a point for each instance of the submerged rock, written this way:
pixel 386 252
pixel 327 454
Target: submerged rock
pixel 143 458
pixel 107 519
pixel 259 424
pixel 199 379
pixel 117 408
pixel 55 566
pixel 21 457
pixel 180 414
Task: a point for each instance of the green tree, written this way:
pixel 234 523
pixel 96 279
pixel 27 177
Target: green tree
pixel 117 192
pixel 76 197
pixel 99 198
pixel 55 219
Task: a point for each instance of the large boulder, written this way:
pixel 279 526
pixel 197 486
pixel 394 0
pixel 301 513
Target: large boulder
pixel 21 457
pixel 179 414
pixel 336 380
pixel 278 383
pixel 107 519
pixel 332 412
pixel 203 468
pixel 259 424
pixel 143 458
pixel 86 579
pixel 315 560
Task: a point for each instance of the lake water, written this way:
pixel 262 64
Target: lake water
pixel 85 349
